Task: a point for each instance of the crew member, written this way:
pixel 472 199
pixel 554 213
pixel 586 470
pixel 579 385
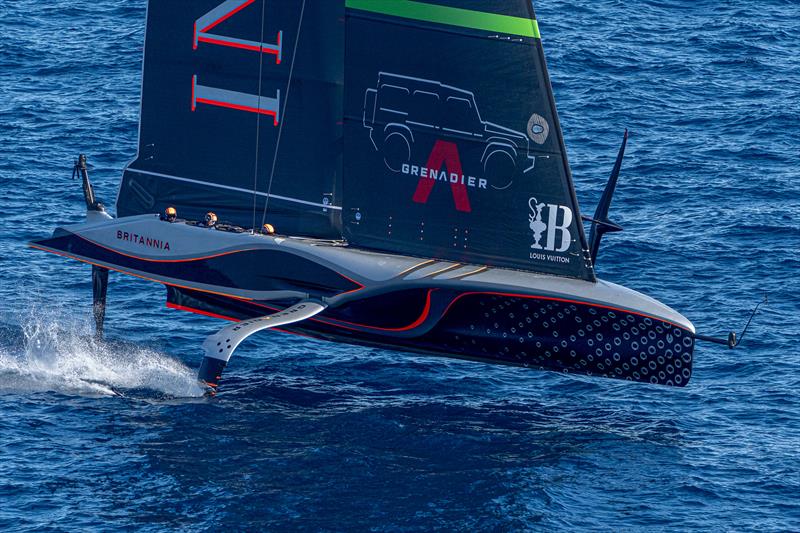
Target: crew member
pixel 268 229
pixel 170 214
pixel 211 220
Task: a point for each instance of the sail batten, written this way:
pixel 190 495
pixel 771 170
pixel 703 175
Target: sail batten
pixel 234 189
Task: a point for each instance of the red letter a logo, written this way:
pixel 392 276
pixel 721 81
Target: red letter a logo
pixel 444 153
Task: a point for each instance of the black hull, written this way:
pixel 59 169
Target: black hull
pixel 517 330
pixel 404 303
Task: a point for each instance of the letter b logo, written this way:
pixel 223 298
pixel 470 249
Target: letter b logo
pixel 558 232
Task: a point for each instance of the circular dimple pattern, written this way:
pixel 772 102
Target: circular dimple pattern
pixel 567 338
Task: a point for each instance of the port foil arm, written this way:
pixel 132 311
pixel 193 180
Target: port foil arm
pixel 220 346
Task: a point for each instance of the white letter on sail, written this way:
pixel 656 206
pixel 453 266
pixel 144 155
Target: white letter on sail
pixel 553 227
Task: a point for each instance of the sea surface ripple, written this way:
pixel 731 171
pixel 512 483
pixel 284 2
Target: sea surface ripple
pixel 317 436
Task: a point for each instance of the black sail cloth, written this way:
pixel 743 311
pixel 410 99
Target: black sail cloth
pixel 219 111
pixel 452 143
pixel 419 128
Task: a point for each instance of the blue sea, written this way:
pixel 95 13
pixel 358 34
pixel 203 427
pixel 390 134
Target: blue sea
pixel 308 435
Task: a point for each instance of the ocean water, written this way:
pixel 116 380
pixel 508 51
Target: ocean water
pixel 308 435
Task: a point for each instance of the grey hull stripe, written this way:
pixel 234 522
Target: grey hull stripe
pixel 237 189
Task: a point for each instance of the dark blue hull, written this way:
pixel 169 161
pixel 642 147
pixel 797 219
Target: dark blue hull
pixel 519 330
pixel 398 302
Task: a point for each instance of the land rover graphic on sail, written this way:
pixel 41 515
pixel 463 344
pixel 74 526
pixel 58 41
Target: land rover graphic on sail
pixel 403 109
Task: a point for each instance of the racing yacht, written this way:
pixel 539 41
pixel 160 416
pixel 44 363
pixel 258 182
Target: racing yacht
pixel 386 173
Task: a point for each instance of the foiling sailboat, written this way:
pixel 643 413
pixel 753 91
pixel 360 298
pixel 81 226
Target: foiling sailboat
pixel 384 172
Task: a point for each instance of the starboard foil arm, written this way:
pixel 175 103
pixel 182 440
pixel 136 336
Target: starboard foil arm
pixel 220 346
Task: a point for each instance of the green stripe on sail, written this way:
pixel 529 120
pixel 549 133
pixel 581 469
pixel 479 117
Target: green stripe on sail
pixel 452 16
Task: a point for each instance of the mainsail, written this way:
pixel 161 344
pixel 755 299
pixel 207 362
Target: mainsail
pixel 240 99
pixel 418 128
pixel 453 147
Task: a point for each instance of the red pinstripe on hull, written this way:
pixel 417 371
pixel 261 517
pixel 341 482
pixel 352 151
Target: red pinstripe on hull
pixel 214 315
pixel 418 322
pixel 200 312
